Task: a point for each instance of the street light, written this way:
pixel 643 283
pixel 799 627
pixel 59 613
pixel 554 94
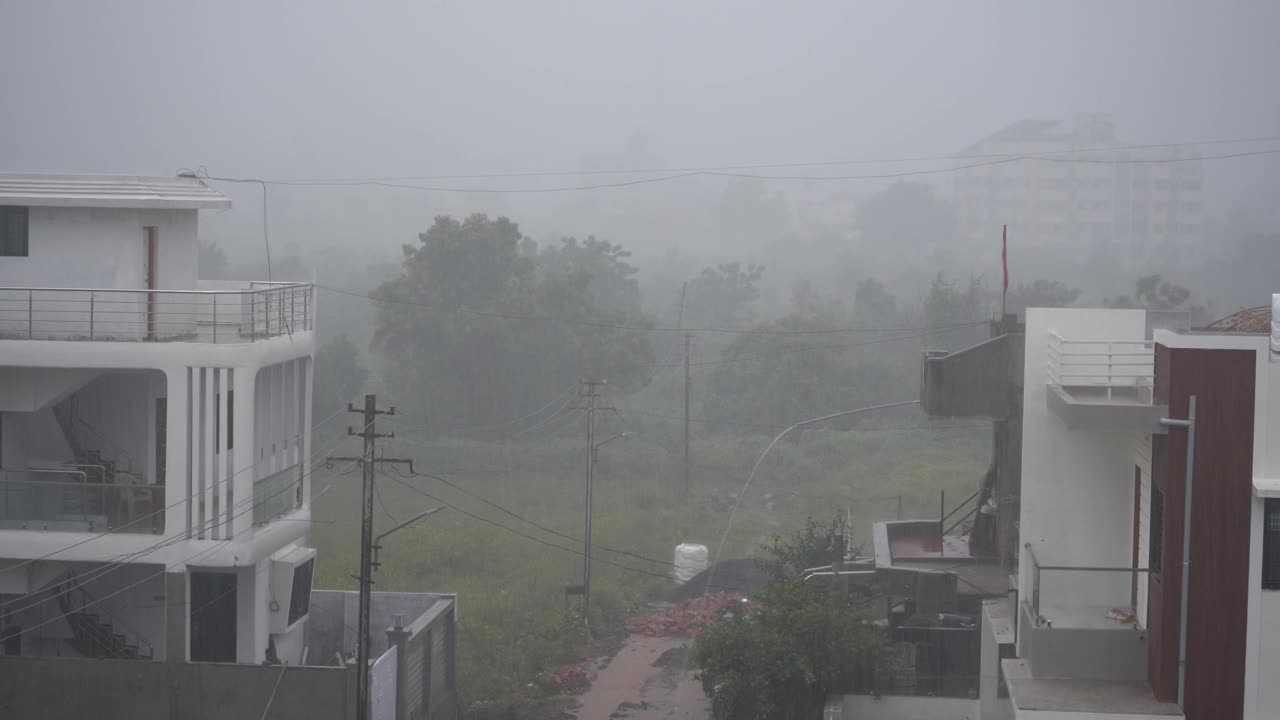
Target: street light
pixel 738 500
pixel 595 451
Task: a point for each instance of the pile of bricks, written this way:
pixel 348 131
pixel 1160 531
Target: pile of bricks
pixel 684 619
pixel 572 678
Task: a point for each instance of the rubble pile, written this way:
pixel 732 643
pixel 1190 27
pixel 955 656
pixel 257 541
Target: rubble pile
pixel 684 619
pixel 572 678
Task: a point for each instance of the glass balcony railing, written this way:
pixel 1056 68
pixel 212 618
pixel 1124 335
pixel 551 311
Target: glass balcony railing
pixel 1084 597
pixel 78 500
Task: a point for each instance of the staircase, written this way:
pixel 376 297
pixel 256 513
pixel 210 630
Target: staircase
pixel 97 468
pixel 94 634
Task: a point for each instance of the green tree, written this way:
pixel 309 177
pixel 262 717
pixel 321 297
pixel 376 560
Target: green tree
pixel 211 262
pixel 1041 293
pixel 481 327
pixel 800 369
pixel 723 296
pixel 795 643
pixel 1153 293
pixel 339 376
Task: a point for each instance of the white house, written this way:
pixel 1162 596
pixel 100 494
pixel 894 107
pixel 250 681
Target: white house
pixel 154 431
pixel 1122 421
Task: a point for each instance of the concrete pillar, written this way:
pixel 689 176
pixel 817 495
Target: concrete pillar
pixel 243 453
pixel 177 615
pixel 398 637
pixel 177 489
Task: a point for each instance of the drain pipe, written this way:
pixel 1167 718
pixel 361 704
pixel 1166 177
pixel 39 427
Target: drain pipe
pixel 1190 425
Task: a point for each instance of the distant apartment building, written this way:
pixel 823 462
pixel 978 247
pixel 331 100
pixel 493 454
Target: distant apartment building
pixel 1071 190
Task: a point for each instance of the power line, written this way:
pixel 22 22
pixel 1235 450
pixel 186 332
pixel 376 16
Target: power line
pixel 730 174
pixel 341 181
pixel 544 528
pixel 607 325
pixel 509 529
pixel 117 530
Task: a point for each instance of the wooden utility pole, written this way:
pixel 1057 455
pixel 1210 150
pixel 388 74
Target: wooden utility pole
pixel 367 460
pixel 688 339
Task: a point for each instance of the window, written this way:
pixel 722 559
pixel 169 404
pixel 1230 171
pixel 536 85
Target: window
pixel 1271 545
pixel 13 231
pixel 300 595
pixel 1155 555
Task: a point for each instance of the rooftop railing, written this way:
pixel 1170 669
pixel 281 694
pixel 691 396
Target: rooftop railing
pixel 1112 369
pixel 242 315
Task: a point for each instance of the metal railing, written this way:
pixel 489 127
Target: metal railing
pixel 1102 590
pixel 1124 367
pixel 262 310
pixel 77 503
pixel 71 590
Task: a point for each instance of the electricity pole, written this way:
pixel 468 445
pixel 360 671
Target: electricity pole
pixel 591 391
pixel 367 460
pixel 688 339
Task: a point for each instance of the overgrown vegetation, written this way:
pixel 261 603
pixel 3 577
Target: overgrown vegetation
pixel 512 610
pixel 793 643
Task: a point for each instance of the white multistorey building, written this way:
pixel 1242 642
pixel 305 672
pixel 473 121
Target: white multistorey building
pixel 154 431
pixel 1123 420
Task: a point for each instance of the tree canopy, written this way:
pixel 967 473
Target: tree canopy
pixel 480 322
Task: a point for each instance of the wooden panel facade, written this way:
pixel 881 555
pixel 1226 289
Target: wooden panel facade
pixel 1223 383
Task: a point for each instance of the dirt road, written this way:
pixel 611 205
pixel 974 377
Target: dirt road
pixel 647 679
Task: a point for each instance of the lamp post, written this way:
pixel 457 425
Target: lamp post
pixel 814 421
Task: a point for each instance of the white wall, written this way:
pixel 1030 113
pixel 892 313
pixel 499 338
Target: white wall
pixel 902 707
pixel 103 248
pixel 1077 486
pixel 1262 649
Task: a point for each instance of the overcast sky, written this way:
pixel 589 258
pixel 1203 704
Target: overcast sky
pixel 413 87
pixel 307 89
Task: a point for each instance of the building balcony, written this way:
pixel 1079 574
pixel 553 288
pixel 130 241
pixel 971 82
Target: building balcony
pixel 1081 621
pixel 216 312
pixel 1103 385
pixel 82 498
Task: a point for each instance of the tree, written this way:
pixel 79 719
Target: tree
pixel 339 376
pixel 905 218
pixel 954 311
pixel 796 643
pixel 802 367
pixel 482 327
pixel 211 262
pixel 722 296
pixel 1041 293
pixel 1153 292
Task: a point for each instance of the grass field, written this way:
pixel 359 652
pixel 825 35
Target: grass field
pixel 511 601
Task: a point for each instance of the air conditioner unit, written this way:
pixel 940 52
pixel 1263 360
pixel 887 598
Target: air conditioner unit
pixel 292 570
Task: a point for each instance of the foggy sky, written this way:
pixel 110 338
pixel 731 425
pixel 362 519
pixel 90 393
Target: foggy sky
pixel 325 89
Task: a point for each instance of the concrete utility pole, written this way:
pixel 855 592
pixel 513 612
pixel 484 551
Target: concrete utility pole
pixel 591 391
pixel 688 339
pixel 370 412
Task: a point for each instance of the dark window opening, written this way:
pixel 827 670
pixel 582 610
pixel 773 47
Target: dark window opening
pixel 1155 555
pixel 162 434
pixel 213 617
pixel 300 596
pixel 231 419
pixel 1271 545
pixel 13 231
